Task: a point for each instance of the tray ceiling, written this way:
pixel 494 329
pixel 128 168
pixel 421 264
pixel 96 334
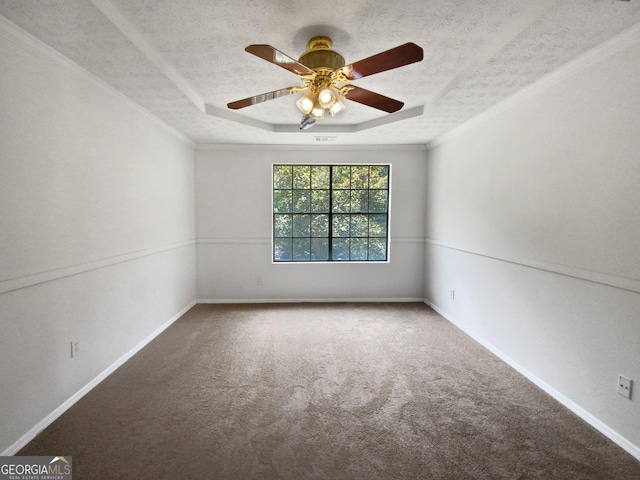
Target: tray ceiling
pixel 184 61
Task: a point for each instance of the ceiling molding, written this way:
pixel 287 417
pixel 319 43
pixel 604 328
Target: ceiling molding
pixel 505 37
pixel 24 39
pixel 236 117
pixel 129 31
pixel 317 128
pixel 323 128
pixel 286 147
pixel 623 40
pixel 394 117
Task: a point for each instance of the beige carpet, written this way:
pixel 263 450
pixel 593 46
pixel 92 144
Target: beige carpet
pixel 324 391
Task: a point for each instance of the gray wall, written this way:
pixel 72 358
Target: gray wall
pixel 96 232
pixel 233 218
pixel 533 219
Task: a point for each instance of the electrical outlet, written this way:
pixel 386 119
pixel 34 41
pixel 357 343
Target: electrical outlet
pixel 452 294
pixel 75 348
pixel 260 281
pixel 624 386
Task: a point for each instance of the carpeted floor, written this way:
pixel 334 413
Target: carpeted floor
pixel 324 391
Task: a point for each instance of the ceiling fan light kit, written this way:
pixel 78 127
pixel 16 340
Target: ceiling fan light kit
pixel 325 91
pixel 327 80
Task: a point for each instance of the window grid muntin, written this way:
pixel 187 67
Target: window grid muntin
pixel 305 248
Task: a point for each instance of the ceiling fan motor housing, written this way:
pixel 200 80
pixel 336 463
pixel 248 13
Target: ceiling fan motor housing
pixel 320 56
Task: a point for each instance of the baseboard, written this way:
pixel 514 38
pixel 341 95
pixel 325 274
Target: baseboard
pixel 308 300
pixel 607 431
pixel 49 419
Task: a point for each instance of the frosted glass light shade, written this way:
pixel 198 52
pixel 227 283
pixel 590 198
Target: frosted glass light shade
pixel 317 112
pixel 326 97
pixel 306 103
pixel 337 107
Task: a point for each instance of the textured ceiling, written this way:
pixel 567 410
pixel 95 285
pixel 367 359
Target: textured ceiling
pixel 184 61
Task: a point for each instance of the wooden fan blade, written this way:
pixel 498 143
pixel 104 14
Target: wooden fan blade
pixel 263 97
pixel 373 99
pixel 270 54
pixel 394 58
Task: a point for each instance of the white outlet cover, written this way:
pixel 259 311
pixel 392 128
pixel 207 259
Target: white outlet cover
pixel 624 386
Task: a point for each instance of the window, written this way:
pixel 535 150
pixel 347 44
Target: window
pixel 325 213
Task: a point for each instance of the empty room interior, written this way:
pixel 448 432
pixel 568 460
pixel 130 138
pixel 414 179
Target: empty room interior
pixel 155 161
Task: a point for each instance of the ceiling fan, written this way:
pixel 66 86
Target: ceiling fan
pixel 327 80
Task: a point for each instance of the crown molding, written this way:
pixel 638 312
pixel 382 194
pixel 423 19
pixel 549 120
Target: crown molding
pixel 303 148
pixel 24 39
pixel 352 128
pixel 236 117
pixel 625 39
pixel 322 128
pixel 503 37
pixel 135 37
